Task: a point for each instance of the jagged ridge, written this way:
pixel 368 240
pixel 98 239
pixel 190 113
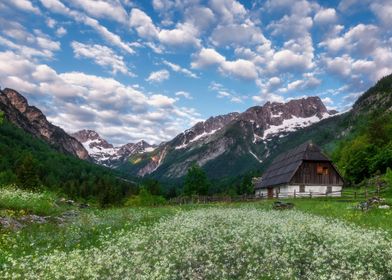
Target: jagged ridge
pixel 32 120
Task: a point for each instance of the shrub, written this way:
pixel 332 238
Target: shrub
pixel 145 198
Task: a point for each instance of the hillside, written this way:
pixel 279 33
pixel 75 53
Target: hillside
pixel 235 144
pixel 32 163
pixel 29 118
pixel 230 145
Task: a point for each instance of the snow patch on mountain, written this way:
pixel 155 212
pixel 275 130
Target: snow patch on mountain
pixel 292 124
pixel 105 153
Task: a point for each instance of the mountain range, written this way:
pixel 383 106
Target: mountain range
pixel 224 146
pixel 105 153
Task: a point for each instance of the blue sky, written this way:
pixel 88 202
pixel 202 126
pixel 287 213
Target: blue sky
pixel 148 70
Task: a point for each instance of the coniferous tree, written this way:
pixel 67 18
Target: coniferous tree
pixel 196 181
pixel 27 172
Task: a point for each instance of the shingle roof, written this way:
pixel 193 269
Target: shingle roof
pixel 285 165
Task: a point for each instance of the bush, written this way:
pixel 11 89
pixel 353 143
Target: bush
pixel 145 198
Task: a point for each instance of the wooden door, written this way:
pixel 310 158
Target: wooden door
pixel 270 192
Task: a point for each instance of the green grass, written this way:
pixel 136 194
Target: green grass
pixel 23 201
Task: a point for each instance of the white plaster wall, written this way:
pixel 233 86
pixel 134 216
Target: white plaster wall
pixel 314 191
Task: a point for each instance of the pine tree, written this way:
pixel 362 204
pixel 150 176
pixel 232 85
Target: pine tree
pixel 196 181
pixel 27 172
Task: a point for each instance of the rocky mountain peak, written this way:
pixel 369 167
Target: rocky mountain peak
pixel 91 139
pixel 107 154
pixel 32 120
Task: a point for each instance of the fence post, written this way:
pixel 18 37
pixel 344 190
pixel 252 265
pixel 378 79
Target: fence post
pixel 295 193
pixel 366 193
pixel 262 194
pixel 355 195
pixel 378 190
pixel 310 194
pixel 277 194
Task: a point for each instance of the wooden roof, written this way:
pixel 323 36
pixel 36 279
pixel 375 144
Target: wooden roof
pixel 283 168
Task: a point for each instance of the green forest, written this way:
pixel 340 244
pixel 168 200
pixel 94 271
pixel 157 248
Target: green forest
pixel 30 163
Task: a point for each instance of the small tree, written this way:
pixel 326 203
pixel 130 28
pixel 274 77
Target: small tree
pixel 27 172
pixel 153 186
pixel 196 181
pixel 246 186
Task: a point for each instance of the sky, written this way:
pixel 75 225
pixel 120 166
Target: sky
pixel 134 70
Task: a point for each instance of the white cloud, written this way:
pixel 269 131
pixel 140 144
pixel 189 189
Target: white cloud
pixel 383 10
pixel 183 34
pixel 327 101
pixel 207 57
pixel 25 5
pixel 325 16
pixel 289 60
pixel 184 94
pixel 61 31
pixel 28 44
pixel 228 10
pixel 240 68
pixel 103 9
pixel 245 34
pixel 158 76
pixel 51 23
pixel 101 55
pixel 58 7
pixel 143 24
pixel 265 97
pixel 361 39
pixel 119 112
pixel 178 68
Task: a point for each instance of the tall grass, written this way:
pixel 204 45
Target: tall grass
pixel 41 203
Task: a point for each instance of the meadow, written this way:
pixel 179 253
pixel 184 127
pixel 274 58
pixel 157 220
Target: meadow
pixel 319 239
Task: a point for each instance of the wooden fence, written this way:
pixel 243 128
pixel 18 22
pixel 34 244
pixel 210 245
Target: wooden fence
pixel 346 195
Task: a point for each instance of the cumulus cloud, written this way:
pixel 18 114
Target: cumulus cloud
pixel 58 7
pixel 182 34
pixel 361 39
pixel 383 10
pixel 325 16
pixel 178 68
pixel 158 76
pixel 17 38
pixel 25 5
pixel 101 55
pixel 61 31
pixel 143 24
pixel 240 68
pixel 119 112
pixel 103 9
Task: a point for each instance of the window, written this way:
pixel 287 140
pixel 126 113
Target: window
pixel 322 170
pixel 301 188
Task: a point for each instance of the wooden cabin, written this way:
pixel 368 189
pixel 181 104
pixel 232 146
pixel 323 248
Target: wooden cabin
pixel 302 171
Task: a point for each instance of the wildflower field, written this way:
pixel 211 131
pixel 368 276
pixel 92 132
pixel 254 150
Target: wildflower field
pixel 224 241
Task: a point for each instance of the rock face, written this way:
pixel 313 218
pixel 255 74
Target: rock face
pixel 236 141
pixel 33 121
pixel 105 153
